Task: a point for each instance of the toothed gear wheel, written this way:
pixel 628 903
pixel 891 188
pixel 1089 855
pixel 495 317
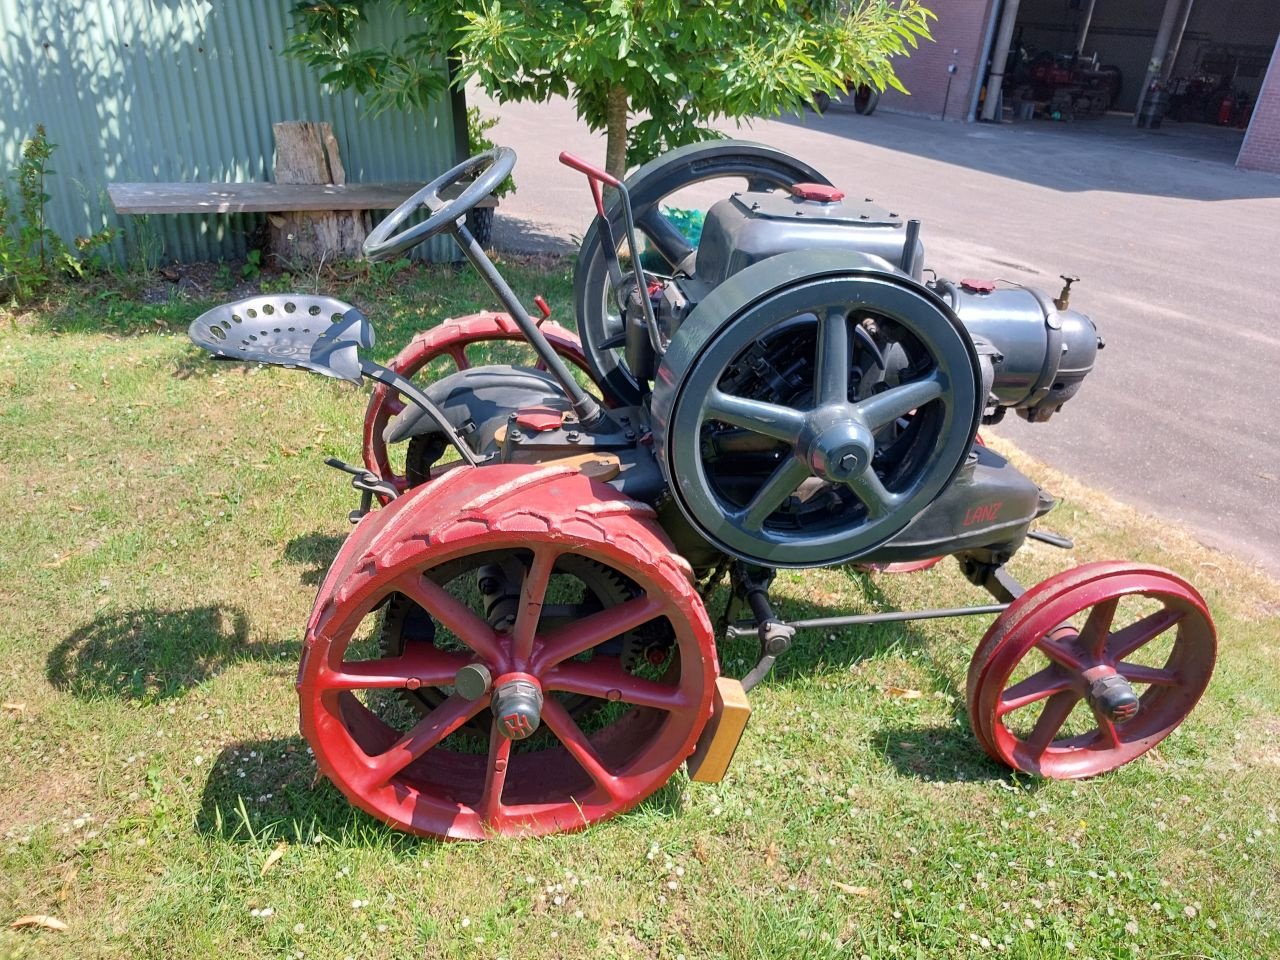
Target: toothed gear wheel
pixel 603 588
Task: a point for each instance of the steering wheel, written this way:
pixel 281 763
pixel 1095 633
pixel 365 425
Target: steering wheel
pixel 489 169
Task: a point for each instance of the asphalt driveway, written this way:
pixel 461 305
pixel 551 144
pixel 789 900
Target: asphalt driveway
pixel 1178 251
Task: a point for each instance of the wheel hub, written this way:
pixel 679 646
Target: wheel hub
pixel 838 446
pixel 517 705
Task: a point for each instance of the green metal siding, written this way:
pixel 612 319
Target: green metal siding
pixel 173 90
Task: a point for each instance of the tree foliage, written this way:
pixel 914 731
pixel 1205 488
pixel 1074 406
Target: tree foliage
pixel 652 73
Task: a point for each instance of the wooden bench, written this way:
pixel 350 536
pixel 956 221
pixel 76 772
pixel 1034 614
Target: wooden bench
pixel 313 214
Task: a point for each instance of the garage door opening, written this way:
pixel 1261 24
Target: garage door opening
pixel 1181 75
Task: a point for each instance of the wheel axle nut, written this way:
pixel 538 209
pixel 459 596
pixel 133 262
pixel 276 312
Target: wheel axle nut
pixel 1115 697
pixel 517 705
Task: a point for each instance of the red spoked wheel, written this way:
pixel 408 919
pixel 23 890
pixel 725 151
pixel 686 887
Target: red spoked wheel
pixel 450 339
pixel 559 698
pixel 1051 687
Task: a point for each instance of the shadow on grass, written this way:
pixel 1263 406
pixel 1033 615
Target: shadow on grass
pixel 152 655
pixel 271 788
pixel 316 551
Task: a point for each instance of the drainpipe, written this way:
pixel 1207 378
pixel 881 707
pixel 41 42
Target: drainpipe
pixel 1084 28
pixel 999 57
pixel 1158 52
pixel 1171 60
pixel 985 62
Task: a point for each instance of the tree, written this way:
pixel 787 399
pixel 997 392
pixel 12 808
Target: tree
pixel 651 73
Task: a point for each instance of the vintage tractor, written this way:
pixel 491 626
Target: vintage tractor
pixel 516 641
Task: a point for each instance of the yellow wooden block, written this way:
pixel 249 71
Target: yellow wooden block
pixel 719 740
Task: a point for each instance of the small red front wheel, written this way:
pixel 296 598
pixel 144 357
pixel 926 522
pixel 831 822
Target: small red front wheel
pixel 1051 688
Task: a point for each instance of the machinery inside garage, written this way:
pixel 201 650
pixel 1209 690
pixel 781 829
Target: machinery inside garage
pixel 1160 62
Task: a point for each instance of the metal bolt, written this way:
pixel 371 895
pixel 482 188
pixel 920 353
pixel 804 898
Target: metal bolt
pixel 849 462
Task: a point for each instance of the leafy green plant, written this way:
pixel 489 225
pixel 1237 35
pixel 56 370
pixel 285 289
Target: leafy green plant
pixel 679 64
pixel 252 266
pixel 31 252
pixel 477 140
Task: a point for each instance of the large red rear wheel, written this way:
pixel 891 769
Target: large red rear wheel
pixel 543 717
pixel 1051 687
pixel 451 339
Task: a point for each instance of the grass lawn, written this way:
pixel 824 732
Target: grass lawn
pixel 164 522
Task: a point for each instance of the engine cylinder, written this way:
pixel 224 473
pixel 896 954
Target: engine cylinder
pixel 1042 354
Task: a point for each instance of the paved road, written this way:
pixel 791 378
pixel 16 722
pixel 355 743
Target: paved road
pixel 1179 253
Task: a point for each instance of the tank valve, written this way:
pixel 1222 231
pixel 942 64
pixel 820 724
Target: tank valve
pixel 1064 298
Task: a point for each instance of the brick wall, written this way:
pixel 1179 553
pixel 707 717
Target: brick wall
pixel 961 25
pixel 1261 148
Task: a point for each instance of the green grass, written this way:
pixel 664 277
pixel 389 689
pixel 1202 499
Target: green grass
pixel 164 522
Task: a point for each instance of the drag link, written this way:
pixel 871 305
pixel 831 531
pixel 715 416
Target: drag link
pixel 743 627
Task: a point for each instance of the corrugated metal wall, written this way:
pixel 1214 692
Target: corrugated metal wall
pixel 169 90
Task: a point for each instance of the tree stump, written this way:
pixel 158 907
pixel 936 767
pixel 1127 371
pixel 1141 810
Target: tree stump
pixel 308 153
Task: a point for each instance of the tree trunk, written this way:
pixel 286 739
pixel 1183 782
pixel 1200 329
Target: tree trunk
pixel 308 153
pixel 615 151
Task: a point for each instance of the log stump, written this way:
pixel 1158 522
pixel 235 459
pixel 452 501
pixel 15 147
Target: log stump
pixel 308 153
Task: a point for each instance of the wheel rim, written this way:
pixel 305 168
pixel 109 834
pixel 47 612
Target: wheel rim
pixel 762 167
pixel 1034 694
pixel 836 473
pixel 427 775
pixel 451 339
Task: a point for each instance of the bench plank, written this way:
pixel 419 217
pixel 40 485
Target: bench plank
pixel 258 197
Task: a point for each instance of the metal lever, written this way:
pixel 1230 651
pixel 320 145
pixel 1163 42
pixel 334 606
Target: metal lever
pixel 367 482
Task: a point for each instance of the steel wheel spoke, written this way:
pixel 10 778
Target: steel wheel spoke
pixel 1123 642
pixel 1056 710
pixel 895 403
pixel 393 405
pixel 459 353
pixel 453 614
pixel 571 640
pixel 1107 730
pixel 532 594
pixel 495 776
pixel 605 678
pixel 1039 686
pixel 1097 628
pixel 420 661
pixel 1060 653
pixel 769 419
pixel 434 727
pixel 831 381
pixel 575 741
pixel 665 237
pixel 868 488
pixel 1138 673
pixel 772 494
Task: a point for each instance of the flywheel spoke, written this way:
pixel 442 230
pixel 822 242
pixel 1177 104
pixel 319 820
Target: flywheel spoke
pixel 869 488
pixel 665 237
pixel 885 408
pixel 831 383
pixel 1060 652
pixel 605 678
pixel 434 727
pixel 394 405
pixel 1125 641
pixel 571 640
pixel 773 493
pixel 454 615
pixel 1039 686
pixel 575 741
pixel 769 419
